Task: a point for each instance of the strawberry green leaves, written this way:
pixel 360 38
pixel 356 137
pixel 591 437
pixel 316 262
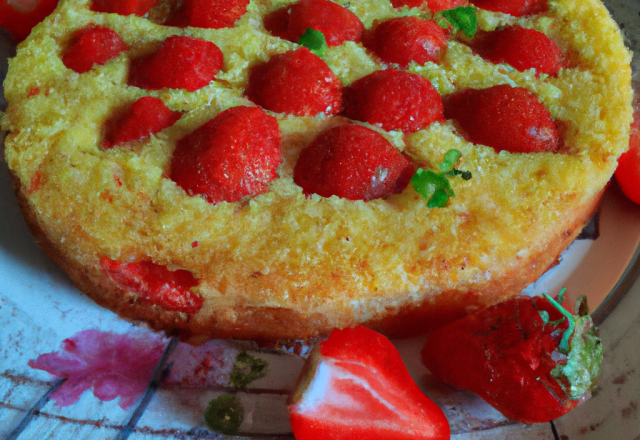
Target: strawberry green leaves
pixel 434 186
pixel 583 348
pixel 314 41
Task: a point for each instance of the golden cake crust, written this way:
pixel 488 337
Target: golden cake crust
pixel 281 265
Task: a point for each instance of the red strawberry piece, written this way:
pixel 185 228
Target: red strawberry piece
pixel 209 14
pixel 504 118
pixel 394 101
pixel 353 162
pixel 19 17
pixel 236 154
pixel 297 83
pixel 93 45
pixel 156 284
pixel 517 8
pixel 123 7
pixel 434 5
pixel 521 48
pixel 628 171
pixel 277 23
pixel 531 360
pixel 337 23
pixel 355 386
pixel 181 63
pixel 405 39
pixel 147 116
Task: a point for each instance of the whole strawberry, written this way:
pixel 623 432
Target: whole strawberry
pixel 355 386
pixel 529 358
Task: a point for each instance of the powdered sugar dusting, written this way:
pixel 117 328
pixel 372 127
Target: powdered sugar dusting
pixel 113 365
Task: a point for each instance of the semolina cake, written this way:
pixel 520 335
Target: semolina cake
pixel 142 226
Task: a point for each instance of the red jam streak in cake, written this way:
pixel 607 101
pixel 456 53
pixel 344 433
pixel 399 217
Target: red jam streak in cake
pixel 236 154
pixel 156 284
pixel 405 39
pixel 147 116
pixel 93 45
pixel 209 14
pixel 521 48
pixel 394 101
pixel 113 365
pixel 297 82
pixel 337 23
pixel 181 63
pixel 504 118
pixel 123 7
pixel 353 162
pixel 517 8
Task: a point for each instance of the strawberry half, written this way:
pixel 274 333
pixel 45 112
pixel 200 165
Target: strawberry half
pixel 355 386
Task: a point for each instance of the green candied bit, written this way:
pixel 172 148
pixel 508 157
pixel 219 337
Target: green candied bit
pixel 427 182
pixel 247 369
pixel 450 160
pixel 434 186
pixel 583 362
pixel 314 41
pixel 439 199
pixel 463 18
pixel 564 343
pixel 224 415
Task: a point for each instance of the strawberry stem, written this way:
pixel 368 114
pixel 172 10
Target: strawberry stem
pixel 564 343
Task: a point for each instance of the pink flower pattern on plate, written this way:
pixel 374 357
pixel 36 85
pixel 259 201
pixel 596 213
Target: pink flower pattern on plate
pixel 113 365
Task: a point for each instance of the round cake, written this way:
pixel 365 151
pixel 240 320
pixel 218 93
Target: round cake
pixel 273 169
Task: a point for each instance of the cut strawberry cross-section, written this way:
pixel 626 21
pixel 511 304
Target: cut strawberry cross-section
pixel 434 5
pixel 20 16
pixel 356 386
pixel 296 82
pixel 504 118
pixel 516 8
pixel 181 63
pixel 123 7
pixel 521 48
pixel 93 45
pixel 147 116
pixel 236 154
pixel 337 23
pixel 393 100
pixel 156 284
pixel 353 162
pixel 209 14
pixel 405 39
